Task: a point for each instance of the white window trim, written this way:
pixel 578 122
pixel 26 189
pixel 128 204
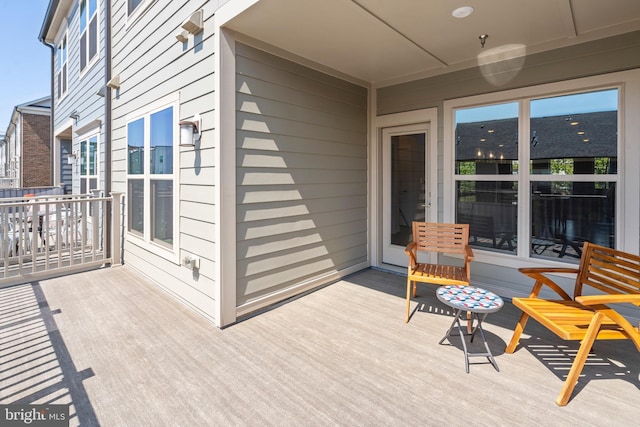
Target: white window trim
pixel 137 13
pixel 145 241
pixel 90 62
pixel 83 138
pixel 627 202
pixel 63 95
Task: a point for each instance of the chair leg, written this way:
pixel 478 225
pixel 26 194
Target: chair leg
pixel 409 283
pixel 581 358
pixel 517 332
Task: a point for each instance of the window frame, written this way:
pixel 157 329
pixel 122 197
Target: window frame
pixel 84 139
pixel 524 178
pixel 145 239
pixel 63 40
pixel 133 16
pixel 89 61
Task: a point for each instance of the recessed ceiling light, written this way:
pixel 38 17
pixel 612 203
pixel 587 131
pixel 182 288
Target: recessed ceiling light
pixel 574 123
pixel 462 12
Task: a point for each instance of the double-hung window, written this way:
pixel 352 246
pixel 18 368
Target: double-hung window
pixel 61 68
pixel 537 176
pixel 88 33
pixel 152 175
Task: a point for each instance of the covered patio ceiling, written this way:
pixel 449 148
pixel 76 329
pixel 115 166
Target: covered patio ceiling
pixel 385 42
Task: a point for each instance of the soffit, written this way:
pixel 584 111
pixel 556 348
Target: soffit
pixel 383 42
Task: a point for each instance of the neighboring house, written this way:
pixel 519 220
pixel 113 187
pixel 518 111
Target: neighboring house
pixel 322 130
pixel 26 146
pixel 75 32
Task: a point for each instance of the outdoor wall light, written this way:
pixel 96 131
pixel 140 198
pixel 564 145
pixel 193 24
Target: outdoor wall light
pixel 183 36
pixel 194 23
pixel 190 131
pixel 114 83
pixel 71 158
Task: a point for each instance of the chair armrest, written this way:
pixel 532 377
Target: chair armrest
pixel 468 253
pixel 609 299
pixel 411 250
pixel 597 303
pixel 538 274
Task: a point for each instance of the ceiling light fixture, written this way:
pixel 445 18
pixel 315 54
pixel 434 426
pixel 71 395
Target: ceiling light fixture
pixel 462 12
pixel 483 39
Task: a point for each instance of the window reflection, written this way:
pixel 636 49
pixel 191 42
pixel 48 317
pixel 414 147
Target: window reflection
pixel 162 142
pixel 162 207
pixel 407 185
pixel 135 142
pixel 575 134
pixel 566 214
pixel 486 140
pixel 490 208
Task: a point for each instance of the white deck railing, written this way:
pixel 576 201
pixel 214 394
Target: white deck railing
pixel 49 236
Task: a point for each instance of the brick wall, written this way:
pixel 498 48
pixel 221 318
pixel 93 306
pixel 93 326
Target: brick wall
pixel 36 151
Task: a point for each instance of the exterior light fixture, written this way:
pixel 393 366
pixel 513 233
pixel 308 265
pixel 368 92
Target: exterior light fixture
pixel 574 123
pixel 462 12
pixel 190 131
pixel 483 39
pixel 114 83
pixel 183 36
pixel 71 158
pixel 194 23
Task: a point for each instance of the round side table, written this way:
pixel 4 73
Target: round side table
pixel 477 301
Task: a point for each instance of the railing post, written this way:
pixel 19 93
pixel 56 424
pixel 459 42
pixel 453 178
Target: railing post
pixel 116 257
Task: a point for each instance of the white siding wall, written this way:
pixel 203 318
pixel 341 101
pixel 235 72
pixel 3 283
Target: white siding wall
pixel 153 64
pixel 81 90
pixel 301 174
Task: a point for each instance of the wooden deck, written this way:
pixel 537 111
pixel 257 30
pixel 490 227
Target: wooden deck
pixel 125 353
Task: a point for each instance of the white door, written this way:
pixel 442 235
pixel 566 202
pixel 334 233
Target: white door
pixel 406 196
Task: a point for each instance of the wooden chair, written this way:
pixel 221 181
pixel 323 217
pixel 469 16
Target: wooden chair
pixel 614 275
pixel 440 238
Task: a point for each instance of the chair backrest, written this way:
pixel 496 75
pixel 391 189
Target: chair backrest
pixel 608 270
pixel 437 237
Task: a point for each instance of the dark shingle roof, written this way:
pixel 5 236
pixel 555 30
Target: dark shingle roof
pixel 551 137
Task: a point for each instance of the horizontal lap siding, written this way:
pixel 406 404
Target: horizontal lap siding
pixel 152 64
pixel 301 174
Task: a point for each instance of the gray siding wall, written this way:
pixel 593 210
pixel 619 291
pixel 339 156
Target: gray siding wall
pixel 301 174
pixel 81 89
pixel 588 59
pixel 153 64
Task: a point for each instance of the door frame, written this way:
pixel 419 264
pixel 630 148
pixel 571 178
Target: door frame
pixel 429 118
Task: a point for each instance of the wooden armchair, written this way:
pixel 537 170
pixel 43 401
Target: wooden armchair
pixel 614 275
pixel 440 238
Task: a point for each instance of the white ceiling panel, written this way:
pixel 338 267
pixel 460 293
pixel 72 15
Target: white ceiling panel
pixel 380 41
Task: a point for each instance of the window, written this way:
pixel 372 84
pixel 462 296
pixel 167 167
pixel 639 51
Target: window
pixel 542 193
pixel 151 176
pixel 88 164
pixel 132 5
pixel 88 32
pixel 61 70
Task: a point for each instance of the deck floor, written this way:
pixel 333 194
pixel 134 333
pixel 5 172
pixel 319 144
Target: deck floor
pixel 124 353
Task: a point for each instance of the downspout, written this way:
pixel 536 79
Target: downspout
pixel 107 126
pixel 53 4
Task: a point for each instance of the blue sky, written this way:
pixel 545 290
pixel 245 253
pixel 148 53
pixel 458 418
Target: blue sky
pixel 605 100
pixel 25 61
